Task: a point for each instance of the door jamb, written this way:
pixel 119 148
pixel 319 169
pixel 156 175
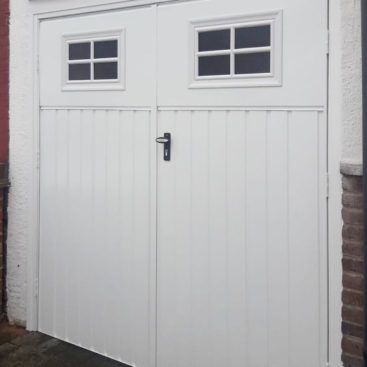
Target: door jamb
pixel 34 215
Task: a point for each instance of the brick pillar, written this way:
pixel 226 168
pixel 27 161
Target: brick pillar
pixel 3 227
pixel 352 313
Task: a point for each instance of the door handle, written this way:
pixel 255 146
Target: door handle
pixel 166 141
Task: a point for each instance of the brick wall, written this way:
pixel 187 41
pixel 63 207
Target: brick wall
pixel 2 249
pixel 4 80
pixel 4 142
pixel 352 313
pixel 3 226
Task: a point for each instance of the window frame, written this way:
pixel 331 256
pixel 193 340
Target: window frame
pixel 274 78
pixel 94 84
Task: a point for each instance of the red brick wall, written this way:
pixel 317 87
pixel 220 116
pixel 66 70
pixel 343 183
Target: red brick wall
pixel 352 296
pixel 4 138
pixel 2 236
pixel 4 80
pixel 3 227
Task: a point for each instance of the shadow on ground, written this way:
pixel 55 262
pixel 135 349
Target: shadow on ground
pixel 19 348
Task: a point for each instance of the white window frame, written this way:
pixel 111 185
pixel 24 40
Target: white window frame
pixel 92 84
pixel 272 18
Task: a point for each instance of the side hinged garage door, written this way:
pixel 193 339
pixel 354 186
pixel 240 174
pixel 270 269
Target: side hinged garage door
pixel 97 130
pixel 207 247
pixel 242 203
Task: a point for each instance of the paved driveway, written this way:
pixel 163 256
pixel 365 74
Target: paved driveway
pixel 21 349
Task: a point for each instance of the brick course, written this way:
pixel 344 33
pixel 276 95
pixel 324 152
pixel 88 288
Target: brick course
pixel 352 296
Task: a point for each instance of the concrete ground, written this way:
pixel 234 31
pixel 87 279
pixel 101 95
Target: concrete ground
pixel 19 348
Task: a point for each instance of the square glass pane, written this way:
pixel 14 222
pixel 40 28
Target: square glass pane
pixel 79 72
pixel 104 49
pixel 253 37
pixel 105 70
pixel 214 65
pixel 215 40
pixel 79 51
pixel 257 63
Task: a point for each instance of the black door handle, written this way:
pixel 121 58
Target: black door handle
pixel 166 140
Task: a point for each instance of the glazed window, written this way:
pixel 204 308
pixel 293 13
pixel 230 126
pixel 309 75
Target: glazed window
pixel 237 50
pixel 231 50
pixel 94 62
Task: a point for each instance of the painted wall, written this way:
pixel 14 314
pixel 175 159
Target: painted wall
pixel 351 81
pixel 20 157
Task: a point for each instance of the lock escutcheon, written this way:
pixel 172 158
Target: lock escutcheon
pixel 166 141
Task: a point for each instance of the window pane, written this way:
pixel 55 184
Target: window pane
pixel 253 37
pixel 79 72
pixel 104 49
pixel 215 40
pixel 105 70
pixel 79 51
pixel 214 65
pixel 252 63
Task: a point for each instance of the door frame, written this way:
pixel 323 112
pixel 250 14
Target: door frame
pixel 334 226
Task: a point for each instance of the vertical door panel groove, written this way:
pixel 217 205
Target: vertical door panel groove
pixel 254 235
pixel 95 230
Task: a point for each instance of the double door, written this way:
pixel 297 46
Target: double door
pixel 217 256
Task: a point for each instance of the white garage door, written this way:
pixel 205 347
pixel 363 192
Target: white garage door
pixel 208 250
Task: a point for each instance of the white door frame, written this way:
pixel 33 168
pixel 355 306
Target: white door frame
pixel 334 155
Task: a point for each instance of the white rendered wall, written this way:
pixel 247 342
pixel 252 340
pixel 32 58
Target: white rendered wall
pixel 20 150
pixel 351 81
